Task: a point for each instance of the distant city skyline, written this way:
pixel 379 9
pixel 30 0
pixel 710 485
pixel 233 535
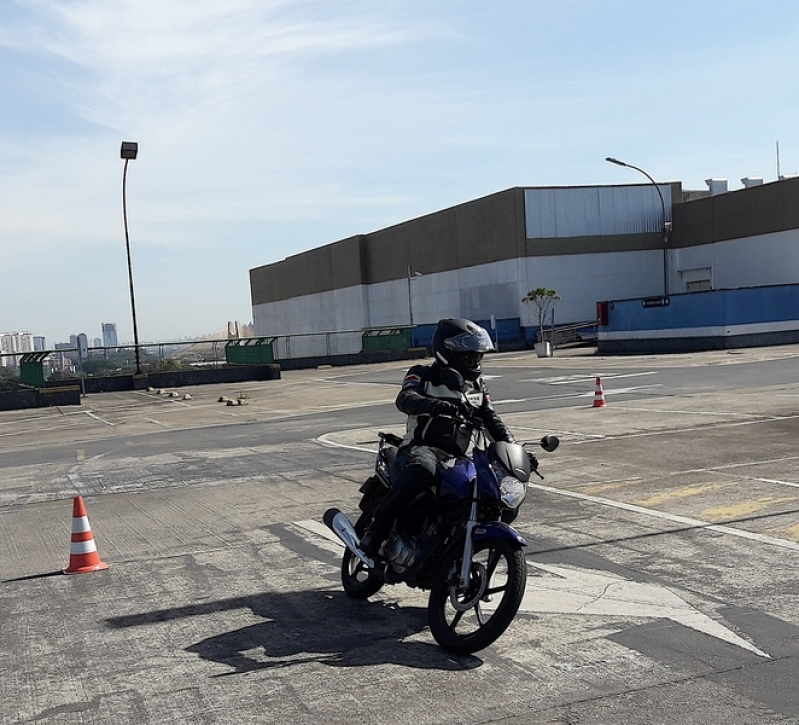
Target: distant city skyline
pixel 108 338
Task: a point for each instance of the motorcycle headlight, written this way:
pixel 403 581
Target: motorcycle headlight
pixel 513 492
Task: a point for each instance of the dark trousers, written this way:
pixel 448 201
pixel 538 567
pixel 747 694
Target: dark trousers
pixel 417 473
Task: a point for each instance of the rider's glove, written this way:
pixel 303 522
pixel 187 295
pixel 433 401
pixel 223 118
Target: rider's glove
pixel 465 410
pixel 460 409
pixel 442 407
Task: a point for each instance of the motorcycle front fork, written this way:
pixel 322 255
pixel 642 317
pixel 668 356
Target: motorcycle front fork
pixel 468 545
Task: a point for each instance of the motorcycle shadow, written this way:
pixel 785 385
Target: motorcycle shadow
pixel 317 626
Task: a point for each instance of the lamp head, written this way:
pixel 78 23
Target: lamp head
pixel 129 150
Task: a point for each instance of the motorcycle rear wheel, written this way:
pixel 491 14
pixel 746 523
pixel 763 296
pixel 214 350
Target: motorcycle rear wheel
pixel 358 580
pixel 463 621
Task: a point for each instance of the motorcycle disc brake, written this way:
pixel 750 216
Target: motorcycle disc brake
pixel 478 582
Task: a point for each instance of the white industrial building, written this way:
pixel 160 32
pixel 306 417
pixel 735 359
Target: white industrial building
pixel 478 259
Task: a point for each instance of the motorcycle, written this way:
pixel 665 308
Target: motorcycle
pixel 454 539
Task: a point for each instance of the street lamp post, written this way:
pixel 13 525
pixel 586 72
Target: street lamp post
pixel 666 224
pixel 411 276
pixel 129 151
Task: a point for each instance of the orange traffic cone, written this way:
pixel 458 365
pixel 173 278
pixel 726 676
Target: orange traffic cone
pixel 83 556
pixel 599 395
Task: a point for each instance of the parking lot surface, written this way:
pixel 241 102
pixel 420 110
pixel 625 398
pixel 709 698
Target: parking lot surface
pixel 663 553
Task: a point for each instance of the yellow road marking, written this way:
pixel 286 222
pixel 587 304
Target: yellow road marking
pixel 736 510
pixel 793 532
pixel 610 485
pixel 684 492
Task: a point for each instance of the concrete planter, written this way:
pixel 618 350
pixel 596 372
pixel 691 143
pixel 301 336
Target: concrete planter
pixel 543 349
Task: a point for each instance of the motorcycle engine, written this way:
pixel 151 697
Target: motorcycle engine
pixel 401 554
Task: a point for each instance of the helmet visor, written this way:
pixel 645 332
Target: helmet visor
pixel 476 340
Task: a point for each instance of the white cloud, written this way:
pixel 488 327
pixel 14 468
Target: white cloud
pixel 272 127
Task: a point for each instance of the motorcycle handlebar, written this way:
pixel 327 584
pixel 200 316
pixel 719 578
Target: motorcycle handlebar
pixel 549 442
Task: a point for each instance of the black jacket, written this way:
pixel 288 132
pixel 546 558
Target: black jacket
pixel 421 399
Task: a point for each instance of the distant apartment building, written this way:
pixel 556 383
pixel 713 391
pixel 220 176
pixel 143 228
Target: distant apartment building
pixel 12 345
pixel 61 360
pixel 109 334
pixel 39 343
pixel 82 345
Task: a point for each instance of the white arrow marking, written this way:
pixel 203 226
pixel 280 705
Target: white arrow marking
pixel 619 391
pixel 570 379
pixel 581 591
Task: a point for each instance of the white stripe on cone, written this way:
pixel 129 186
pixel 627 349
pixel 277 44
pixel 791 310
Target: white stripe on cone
pixel 82 547
pixel 80 525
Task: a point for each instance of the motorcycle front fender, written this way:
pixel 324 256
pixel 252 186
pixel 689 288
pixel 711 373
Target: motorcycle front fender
pixel 497 530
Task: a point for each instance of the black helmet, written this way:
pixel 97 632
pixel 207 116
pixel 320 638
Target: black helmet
pixel 460 344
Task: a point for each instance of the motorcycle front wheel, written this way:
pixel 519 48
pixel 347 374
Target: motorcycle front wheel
pixel 358 580
pixel 465 620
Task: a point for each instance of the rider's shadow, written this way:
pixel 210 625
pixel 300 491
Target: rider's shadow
pixel 311 626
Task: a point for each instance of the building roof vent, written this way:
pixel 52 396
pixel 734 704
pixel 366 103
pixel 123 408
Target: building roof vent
pixel 750 181
pixel 717 186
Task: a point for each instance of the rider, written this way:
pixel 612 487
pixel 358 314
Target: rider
pixel 437 418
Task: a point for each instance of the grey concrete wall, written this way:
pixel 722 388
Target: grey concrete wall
pixel 737 214
pixel 477 232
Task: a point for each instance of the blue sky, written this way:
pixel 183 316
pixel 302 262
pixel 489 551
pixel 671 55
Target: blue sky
pixel 266 128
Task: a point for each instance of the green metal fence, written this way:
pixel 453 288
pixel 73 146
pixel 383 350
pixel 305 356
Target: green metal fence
pixel 250 351
pixel 388 339
pixel 31 370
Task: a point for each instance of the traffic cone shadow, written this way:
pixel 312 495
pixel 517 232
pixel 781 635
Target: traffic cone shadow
pixel 83 556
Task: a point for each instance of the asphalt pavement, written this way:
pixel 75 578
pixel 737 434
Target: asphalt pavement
pixel 663 552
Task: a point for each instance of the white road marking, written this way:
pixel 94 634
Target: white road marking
pixel 682 520
pixel 331 541
pixel 157 422
pixel 790 484
pixel 654 513
pixel 325 441
pixel 319 528
pixel 571 590
pixel 618 391
pixel 585 394
pixel 570 379
pixel 726 424
pixel 94 415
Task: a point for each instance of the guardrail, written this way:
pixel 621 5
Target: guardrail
pixel 209 353
pixel 575 332
pixel 217 353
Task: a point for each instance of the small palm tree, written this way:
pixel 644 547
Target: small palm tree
pixel 543 299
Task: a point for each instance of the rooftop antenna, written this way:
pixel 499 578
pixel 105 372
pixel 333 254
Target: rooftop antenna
pixel 778 160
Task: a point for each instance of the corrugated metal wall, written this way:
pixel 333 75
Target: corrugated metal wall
pixel 589 211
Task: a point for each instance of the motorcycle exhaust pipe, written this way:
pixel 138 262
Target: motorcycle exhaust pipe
pixel 340 525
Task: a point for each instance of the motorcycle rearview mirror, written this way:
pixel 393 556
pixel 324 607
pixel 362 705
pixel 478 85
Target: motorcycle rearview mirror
pixel 550 443
pixel 452 379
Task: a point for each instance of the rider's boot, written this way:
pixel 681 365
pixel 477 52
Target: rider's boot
pixel 376 533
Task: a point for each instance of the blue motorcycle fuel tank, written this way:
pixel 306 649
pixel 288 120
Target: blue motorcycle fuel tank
pixel 456 476
pixel 487 481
